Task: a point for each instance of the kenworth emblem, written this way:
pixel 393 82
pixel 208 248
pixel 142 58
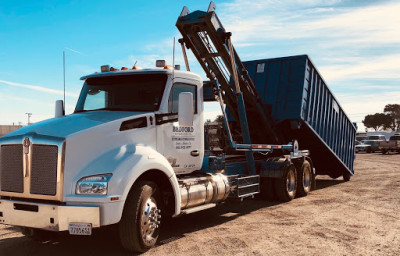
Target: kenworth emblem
pixel 26 144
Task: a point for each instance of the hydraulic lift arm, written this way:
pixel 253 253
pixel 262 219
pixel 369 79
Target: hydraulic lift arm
pixel 204 34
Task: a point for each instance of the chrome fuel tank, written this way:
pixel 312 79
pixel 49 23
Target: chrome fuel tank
pixel 211 188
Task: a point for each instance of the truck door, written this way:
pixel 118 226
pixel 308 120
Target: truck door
pixel 183 146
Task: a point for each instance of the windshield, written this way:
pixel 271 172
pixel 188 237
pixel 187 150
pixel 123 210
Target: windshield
pixel 141 92
pixel 395 137
pixel 367 142
pixel 375 137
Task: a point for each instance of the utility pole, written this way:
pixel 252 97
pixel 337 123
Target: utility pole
pixel 29 117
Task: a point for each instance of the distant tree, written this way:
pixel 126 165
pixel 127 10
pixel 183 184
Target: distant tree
pixel 394 111
pixel 219 119
pixel 378 121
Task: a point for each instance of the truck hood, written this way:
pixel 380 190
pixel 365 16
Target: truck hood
pixel 70 124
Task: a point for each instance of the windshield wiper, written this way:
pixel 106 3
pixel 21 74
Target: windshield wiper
pixel 111 109
pixel 80 111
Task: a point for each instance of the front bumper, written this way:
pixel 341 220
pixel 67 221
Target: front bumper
pixel 361 149
pixel 47 216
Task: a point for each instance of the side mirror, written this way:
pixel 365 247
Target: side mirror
pixel 185 109
pixel 59 110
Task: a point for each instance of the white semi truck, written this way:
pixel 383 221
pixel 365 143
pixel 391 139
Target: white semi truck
pixel 134 150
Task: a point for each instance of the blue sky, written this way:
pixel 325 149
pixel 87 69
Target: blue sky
pixel 354 44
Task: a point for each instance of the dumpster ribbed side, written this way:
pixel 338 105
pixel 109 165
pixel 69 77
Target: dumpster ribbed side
pixel 303 108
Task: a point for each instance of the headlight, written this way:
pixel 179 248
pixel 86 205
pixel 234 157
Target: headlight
pixel 96 184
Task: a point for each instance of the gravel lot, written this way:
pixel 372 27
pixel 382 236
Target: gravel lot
pixel 360 217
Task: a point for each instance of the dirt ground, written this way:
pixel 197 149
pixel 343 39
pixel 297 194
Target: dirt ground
pixel 360 217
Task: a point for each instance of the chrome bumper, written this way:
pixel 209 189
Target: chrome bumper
pixel 46 216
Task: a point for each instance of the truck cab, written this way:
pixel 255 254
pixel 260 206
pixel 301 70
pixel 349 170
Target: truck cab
pixel 80 168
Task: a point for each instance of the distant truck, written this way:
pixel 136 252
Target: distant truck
pixel 392 145
pixel 370 144
pixel 360 136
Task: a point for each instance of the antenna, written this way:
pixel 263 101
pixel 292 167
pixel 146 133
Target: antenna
pixel 64 76
pixel 173 59
pixel 135 63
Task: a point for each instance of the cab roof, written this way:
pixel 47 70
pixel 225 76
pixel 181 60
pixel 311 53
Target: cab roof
pixel 177 73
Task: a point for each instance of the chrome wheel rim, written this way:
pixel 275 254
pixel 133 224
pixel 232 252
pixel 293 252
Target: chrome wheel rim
pixel 150 219
pixel 306 178
pixel 290 182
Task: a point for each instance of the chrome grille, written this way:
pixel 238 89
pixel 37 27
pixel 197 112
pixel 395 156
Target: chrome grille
pixel 44 170
pixel 11 168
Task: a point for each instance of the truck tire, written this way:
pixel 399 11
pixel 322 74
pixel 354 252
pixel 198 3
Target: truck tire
pixel 267 190
pixel 304 179
pixel 313 182
pixel 384 151
pixel 139 227
pixel 368 150
pixel 285 187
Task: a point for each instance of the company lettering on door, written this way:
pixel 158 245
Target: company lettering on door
pixel 183 137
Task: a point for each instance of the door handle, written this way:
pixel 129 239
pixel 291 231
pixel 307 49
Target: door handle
pixel 195 153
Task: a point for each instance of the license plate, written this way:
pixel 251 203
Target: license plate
pixel 82 229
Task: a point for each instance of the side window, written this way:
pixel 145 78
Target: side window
pixel 95 99
pixel 174 96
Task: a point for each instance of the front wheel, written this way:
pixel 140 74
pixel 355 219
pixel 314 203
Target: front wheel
pixel 139 227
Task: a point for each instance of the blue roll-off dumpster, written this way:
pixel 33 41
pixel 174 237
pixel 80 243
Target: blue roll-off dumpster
pixel 302 107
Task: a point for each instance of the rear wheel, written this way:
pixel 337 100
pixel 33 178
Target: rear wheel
pixel 285 186
pixel 140 224
pixel 384 151
pixel 304 179
pixel 368 150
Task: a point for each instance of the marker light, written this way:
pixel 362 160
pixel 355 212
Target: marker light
pixel 124 68
pixel 168 67
pixel 136 67
pixel 113 69
pixel 160 63
pixel 105 68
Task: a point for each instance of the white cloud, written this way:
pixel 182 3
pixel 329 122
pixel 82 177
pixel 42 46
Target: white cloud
pixel 75 51
pixel 38 88
pixel 384 67
pixel 271 20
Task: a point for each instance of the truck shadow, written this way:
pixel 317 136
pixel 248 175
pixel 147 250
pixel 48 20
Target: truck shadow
pixel 328 182
pixel 105 241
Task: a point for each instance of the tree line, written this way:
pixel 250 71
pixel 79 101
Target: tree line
pixel 389 119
